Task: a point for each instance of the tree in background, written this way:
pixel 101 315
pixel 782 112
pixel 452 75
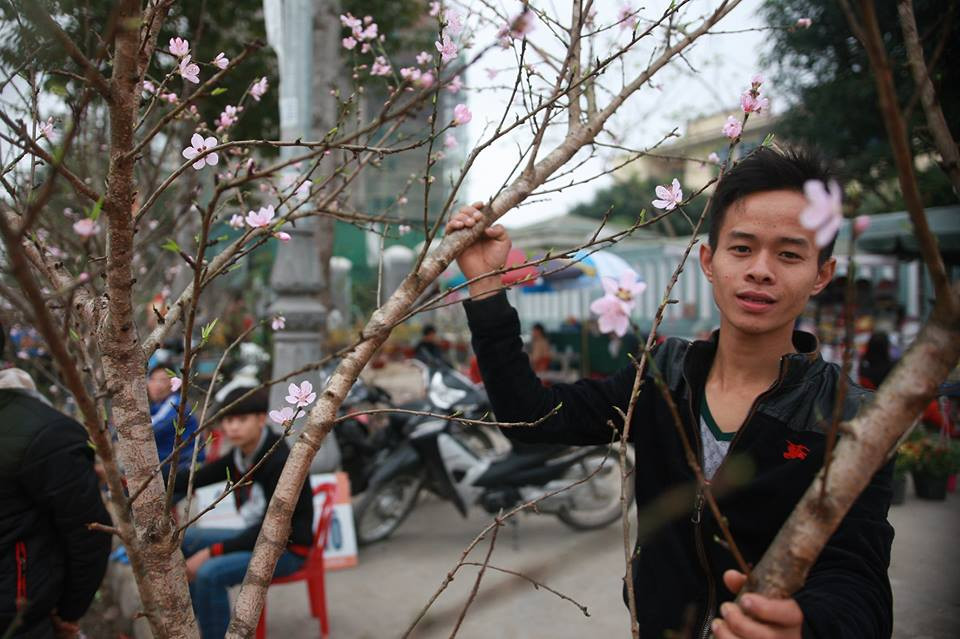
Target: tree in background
pixel 625 198
pixel 834 107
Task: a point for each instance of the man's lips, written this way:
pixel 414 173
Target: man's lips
pixel 755 301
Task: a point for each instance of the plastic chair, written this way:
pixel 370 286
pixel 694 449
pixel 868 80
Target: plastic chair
pixel 312 571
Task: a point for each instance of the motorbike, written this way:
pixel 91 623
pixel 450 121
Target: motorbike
pixel 367 440
pixel 581 486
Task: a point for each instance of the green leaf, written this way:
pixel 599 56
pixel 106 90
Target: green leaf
pixel 74 336
pixel 768 141
pixel 172 246
pixel 58 89
pixel 218 91
pixel 95 211
pixel 206 331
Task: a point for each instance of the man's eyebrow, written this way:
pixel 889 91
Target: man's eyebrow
pixel 795 241
pixel 750 237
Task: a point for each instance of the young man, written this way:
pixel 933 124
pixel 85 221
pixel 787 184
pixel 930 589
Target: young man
pixel 51 562
pixel 755 401
pixel 218 559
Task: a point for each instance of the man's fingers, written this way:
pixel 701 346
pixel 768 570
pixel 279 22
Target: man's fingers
pixel 743 626
pixel 734 580
pixel 496 232
pixel 782 612
pixel 722 630
pixel 466 217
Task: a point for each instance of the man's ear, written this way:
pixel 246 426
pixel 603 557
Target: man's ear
pixel 824 275
pixel 706 261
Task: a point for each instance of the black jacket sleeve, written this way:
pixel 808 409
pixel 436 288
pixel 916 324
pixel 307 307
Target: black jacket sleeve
pixel 847 593
pixel 57 474
pixel 517 395
pixel 210 473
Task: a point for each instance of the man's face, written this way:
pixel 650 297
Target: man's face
pixel 764 267
pixel 243 431
pixel 158 385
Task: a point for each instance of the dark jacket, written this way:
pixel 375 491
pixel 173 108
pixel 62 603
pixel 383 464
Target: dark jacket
pixel 48 494
pixel 265 480
pixel 678 570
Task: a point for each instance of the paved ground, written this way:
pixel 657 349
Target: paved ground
pixel 394 580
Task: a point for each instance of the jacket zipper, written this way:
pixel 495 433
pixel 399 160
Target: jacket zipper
pixel 21 557
pixel 698 533
pixel 700 499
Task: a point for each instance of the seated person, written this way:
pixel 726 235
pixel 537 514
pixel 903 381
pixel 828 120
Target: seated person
pixel 164 411
pixel 218 558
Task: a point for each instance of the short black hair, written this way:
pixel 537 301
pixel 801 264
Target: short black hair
pixel 258 402
pixel 539 327
pixel 429 329
pixel 768 169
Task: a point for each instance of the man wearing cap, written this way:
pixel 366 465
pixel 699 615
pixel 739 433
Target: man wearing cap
pixel 218 558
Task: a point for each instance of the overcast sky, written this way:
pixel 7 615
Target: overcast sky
pixel 723 63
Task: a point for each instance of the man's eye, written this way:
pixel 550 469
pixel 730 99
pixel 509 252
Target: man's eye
pixel 740 248
pixel 790 255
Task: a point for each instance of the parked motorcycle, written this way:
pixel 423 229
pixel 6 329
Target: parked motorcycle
pixel 366 440
pixel 435 458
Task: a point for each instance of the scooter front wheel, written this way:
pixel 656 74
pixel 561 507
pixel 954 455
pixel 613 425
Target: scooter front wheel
pixel 596 502
pixel 385 506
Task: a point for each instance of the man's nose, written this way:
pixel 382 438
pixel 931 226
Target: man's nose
pixel 761 268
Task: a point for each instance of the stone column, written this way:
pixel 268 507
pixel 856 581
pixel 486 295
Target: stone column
pixel 296 277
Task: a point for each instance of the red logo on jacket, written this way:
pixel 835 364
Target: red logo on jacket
pixel 795 451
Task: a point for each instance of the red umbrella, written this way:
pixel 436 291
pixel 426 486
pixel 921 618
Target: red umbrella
pixel 528 274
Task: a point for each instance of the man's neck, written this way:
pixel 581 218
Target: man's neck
pixel 748 359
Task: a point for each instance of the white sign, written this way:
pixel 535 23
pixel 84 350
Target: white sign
pixel 341 548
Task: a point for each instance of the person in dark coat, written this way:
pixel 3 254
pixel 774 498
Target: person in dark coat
pixel 51 562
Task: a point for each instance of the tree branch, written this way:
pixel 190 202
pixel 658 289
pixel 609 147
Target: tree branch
pixel 939 128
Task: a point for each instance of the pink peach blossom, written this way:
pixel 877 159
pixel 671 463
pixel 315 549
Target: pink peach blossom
pixel 732 128
pixel 86 227
pixel 669 198
pixel 447 48
pixel 189 70
pixel 179 47
pixel 283 416
pixel 259 88
pixel 824 211
pixel 260 218
pixel 461 115
pixel 198 145
pixel 380 66
pixel 302 395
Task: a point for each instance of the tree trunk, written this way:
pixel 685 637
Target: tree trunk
pixel 157 562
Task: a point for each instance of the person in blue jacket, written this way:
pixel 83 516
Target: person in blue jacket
pixel 164 412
